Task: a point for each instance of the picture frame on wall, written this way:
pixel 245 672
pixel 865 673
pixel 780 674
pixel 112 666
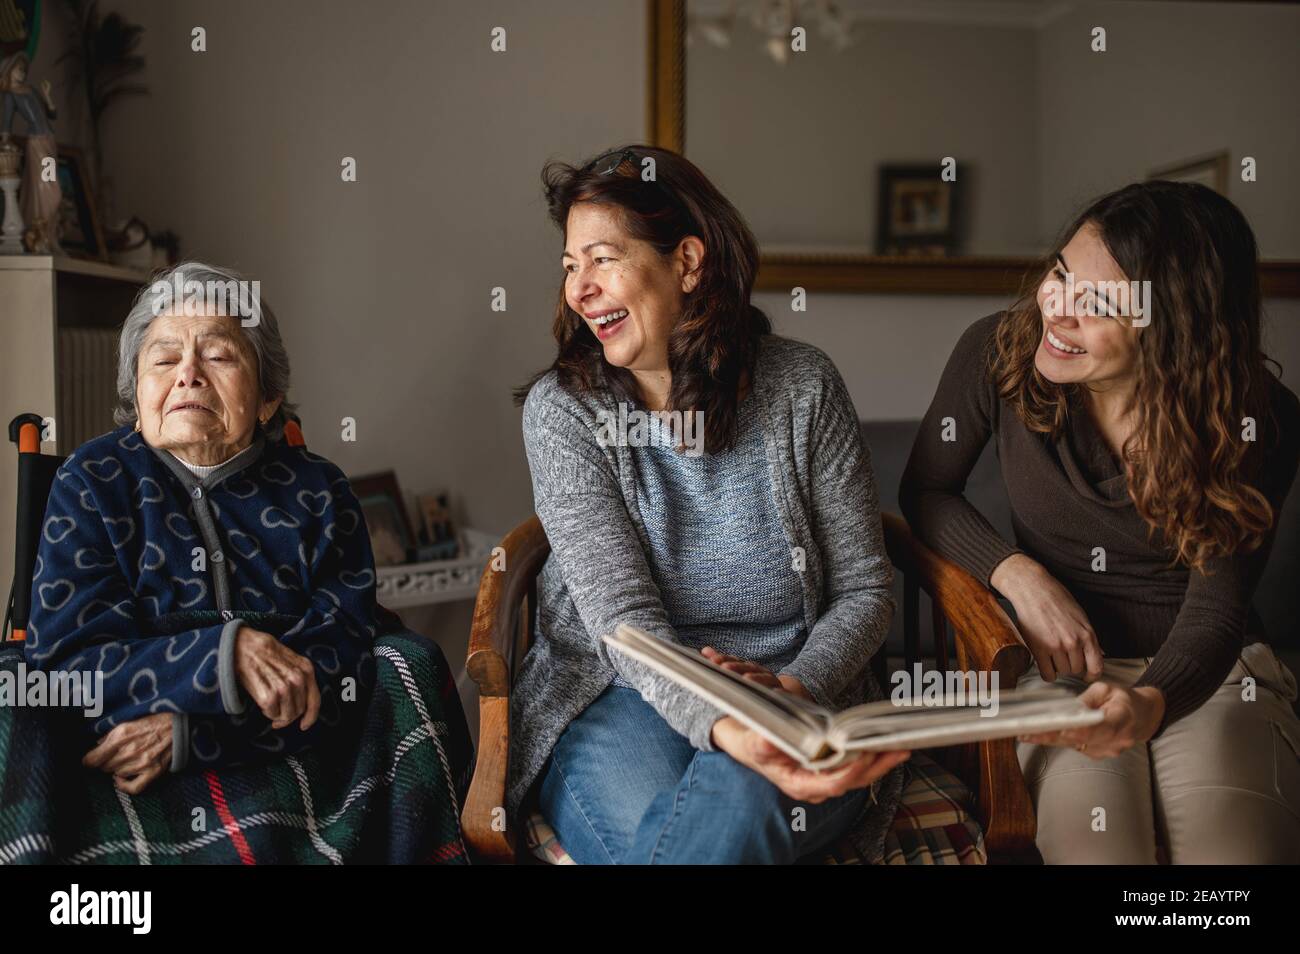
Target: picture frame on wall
pixel 917 213
pixel 1211 170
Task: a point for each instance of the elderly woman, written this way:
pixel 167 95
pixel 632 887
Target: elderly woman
pixel 193 558
pixel 756 539
pixel 221 580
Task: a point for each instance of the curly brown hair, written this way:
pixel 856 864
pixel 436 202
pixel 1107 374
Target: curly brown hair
pixel 713 347
pixel 1200 369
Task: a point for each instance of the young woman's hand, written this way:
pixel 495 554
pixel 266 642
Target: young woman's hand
pixel 1131 716
pixel 1052 623
pixel 281 682
pixel 803 785
pixel 134 753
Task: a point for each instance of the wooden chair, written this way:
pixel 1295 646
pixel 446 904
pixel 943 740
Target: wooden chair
pixel 985 640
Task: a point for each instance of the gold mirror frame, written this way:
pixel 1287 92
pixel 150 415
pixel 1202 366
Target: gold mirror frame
pixel 958 275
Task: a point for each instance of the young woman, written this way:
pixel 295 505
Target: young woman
pixel 760 545
pixel 1146 451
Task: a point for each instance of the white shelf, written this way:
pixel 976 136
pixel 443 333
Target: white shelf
pixel 437 581
pixel 72 266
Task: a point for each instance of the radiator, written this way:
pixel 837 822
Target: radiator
pixel 87 385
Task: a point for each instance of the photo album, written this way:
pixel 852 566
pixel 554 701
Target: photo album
pixel 820 739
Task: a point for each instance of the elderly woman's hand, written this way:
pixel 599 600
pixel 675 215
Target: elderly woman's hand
pixel 134 753
pixel 281 682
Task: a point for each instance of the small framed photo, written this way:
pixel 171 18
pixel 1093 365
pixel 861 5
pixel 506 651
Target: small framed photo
pixel 391 534
pixel 917 213
pixel 79 230
pixel 1211 170
pixel 437 533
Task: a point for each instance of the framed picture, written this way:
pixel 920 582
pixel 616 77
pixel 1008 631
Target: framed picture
pixel 1209 171
pixel 391 535
pixel 79 231
pixel 917 212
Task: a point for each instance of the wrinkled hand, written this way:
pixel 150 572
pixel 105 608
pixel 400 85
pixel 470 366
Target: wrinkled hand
pixel 1053 625
pixel 134 753
pixel 1130 716
pixel 803 785
pixel 281 682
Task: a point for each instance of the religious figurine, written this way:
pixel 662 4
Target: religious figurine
pixel 40 196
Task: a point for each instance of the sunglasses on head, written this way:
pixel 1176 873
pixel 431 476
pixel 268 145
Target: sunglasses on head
pixel 605 164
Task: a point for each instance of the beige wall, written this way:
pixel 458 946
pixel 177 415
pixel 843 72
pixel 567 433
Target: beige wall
pixel 383 285
pixel 802 165
pixel 1104 118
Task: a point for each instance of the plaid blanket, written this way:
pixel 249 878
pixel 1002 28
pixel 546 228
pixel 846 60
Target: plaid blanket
pixel 386 789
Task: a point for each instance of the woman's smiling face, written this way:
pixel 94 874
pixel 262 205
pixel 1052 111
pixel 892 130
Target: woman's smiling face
pixel 1086 344
pixel 610 273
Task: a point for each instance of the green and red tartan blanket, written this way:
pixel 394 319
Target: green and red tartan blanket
pixel 386 790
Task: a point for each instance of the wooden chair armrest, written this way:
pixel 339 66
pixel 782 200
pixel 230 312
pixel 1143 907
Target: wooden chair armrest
pixel 987 641
pixel 494 633
pixel 497 635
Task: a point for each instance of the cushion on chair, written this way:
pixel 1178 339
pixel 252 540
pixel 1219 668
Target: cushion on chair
pixel 932 826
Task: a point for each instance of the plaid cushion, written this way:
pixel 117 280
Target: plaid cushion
pixel 932 826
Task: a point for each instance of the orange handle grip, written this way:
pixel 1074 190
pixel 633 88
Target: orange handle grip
pixel 29 439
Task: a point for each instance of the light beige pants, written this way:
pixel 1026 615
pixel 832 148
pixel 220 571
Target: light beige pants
pixel 1219 786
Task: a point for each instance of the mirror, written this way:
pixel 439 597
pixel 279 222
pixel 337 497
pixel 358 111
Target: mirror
pixel 940 145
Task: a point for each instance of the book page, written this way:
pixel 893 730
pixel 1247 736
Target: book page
pixel 793 725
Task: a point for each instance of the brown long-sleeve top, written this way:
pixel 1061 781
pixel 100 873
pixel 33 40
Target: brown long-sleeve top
pixel 1069 496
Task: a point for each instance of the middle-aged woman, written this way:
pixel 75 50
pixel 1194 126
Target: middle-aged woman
pixel 220 581
pixel 1146 450
pixel 765 550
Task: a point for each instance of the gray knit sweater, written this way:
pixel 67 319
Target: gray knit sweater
pixel 597 575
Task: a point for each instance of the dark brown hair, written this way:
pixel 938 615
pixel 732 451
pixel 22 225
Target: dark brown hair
pixel 713 347
pixel 1200 368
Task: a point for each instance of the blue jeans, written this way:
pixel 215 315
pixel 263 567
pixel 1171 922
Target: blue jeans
pixel 622 787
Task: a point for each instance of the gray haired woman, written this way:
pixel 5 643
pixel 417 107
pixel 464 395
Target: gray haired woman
pixel 195 559
pixel 215 582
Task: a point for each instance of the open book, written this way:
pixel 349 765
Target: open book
pixel 820 739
